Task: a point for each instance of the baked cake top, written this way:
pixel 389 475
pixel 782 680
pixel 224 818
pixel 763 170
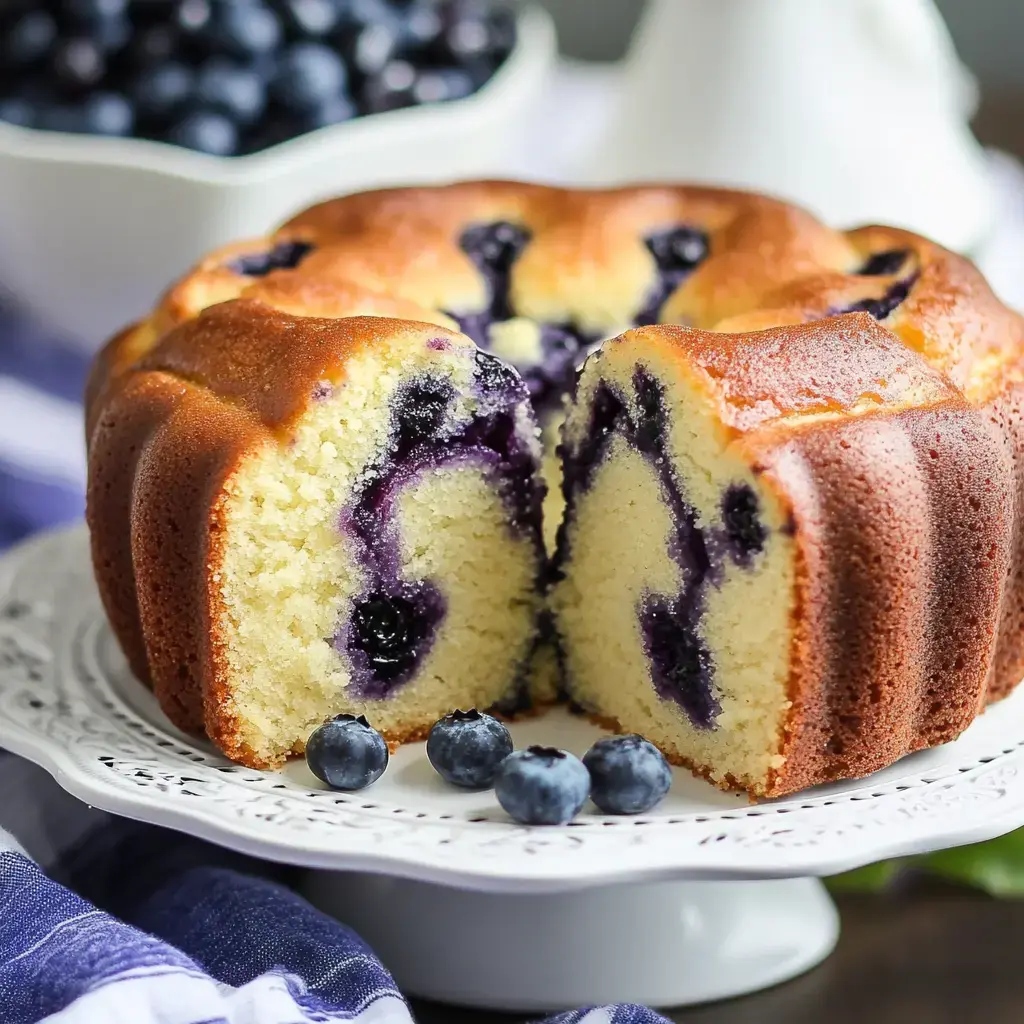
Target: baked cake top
pixel 538 274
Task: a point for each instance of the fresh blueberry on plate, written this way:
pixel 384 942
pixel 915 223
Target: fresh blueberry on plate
pixel 347 753
pixel 628 774
pixel 467 747
pixel 542 786
pixel 205 132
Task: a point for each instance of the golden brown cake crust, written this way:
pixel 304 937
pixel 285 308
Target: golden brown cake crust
pixel 899 445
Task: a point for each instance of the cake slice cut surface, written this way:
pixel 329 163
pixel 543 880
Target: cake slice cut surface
pixel 756 570
pixel 376 552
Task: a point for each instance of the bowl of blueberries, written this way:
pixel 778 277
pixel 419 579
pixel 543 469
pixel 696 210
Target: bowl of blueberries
pixel 135 135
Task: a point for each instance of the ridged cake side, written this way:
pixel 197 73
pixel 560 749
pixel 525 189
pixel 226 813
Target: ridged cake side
pixel 297 517
pixel 823 565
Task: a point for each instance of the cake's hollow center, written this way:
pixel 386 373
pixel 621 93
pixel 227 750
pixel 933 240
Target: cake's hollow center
pixel 677 252
pixel 286 255
pixel 882 264
pixel 548 360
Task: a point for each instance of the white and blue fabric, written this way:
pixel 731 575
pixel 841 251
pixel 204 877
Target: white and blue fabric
pixel 42 459
pixel 106 921
pixel 109 921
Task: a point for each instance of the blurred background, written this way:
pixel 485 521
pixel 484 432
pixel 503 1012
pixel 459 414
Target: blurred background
pixel 989 35
pixel 726 90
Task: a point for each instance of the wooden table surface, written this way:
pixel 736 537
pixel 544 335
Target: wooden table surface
pixel 930 954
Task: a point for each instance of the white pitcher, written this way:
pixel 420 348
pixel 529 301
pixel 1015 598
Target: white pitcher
pixel 857 109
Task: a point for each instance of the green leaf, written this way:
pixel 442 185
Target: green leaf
pixel 870 878
pixel 997 867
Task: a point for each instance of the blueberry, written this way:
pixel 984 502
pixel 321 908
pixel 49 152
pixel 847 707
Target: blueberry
pixel 308 75
pixel 332 111
pixel 743 526
pixel 436 85
pixel 882 306
pixel 29 39
pixel 649 421
pixel 492 374
pixel 236 91
pixel 469 37
pixel 494 246
pixel 387 630
pixel 270 132
pixel 373 47
pixel 62 117
pixel 159 92
pixel 112 34
pixel 542 786
pixel 286 255
pixel 193 17
pixel 79 64
pixel 881 264
pixel 419 411
pixel 628 774
pixel 682 667
pixel 15 110
pixel 680 248
pixel 467 747
pixel 311 19
pixel 391 89
pixel 107 113
pixel 206 132
pixel 94 10
pixel 371 12
pixel 153 46
pixel 246 29
pixel 347 753
pixel 421 27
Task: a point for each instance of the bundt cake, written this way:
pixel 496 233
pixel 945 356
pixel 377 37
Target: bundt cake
pixel 791 545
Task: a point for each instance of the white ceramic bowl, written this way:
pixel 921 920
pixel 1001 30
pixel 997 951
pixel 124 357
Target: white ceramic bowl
pixel 93 229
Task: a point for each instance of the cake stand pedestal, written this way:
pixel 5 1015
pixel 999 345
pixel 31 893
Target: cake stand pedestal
pixel 703 898
pixel 656 943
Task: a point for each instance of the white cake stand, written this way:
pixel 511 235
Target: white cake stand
pixel 705 898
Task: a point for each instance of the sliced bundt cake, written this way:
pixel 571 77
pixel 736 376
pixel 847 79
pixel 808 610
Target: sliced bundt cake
pixel 792 548
pixel 294 517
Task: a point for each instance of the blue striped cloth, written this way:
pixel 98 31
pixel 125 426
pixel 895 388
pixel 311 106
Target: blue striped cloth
pixel 42 461
pixel 106 921
pixel 109 921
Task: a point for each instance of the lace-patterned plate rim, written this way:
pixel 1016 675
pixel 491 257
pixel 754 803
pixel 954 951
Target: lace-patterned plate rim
pixel 68 702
